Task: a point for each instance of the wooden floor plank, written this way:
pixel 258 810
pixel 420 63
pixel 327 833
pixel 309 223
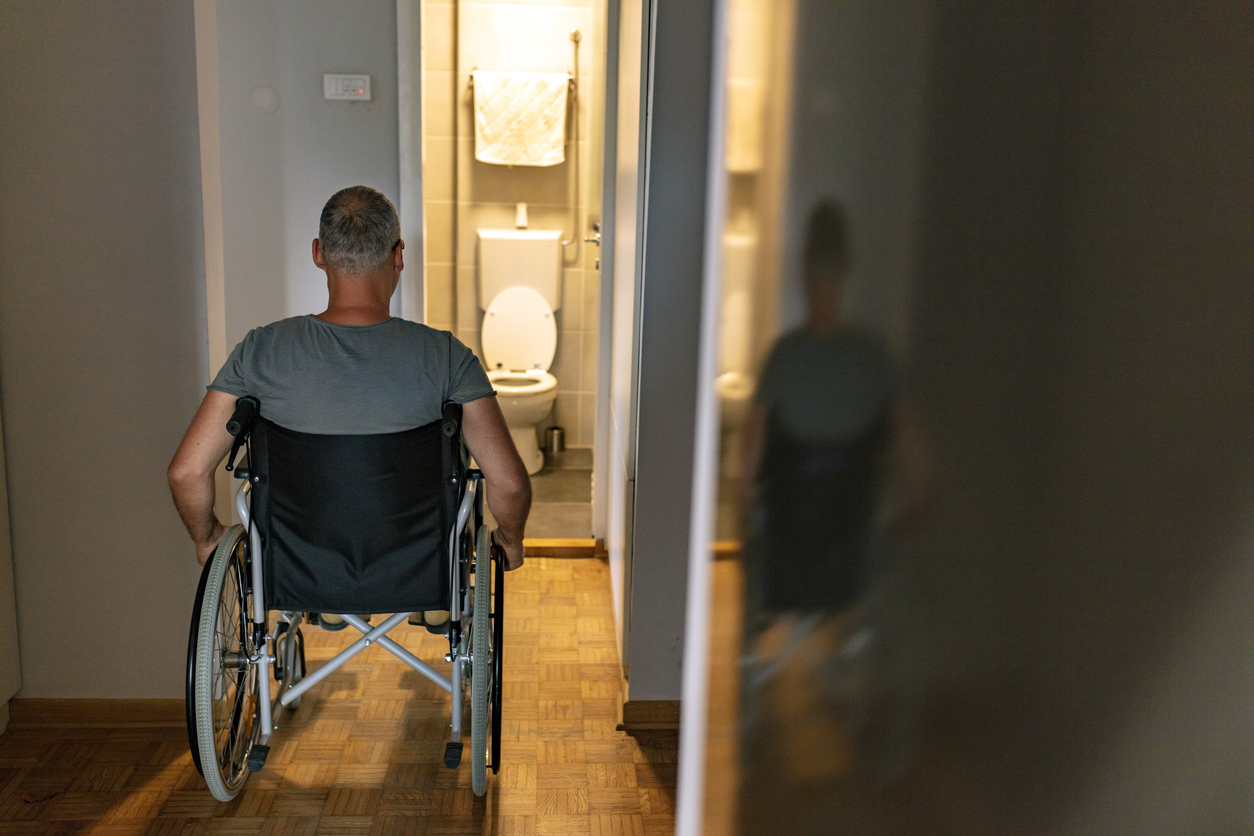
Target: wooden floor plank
pixel 363 755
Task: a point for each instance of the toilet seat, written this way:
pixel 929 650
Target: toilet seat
pixel 519 332
pixel 517 384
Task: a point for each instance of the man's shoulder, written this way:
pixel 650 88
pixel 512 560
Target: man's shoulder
pixel 308 325
pixel 281 328
pixel 408 326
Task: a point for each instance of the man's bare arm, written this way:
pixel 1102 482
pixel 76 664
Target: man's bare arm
pixel 191 472
pixel 508 485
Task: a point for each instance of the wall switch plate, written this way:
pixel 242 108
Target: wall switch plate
pixel 351 87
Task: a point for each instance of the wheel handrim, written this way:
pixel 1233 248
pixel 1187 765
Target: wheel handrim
pixel 234 697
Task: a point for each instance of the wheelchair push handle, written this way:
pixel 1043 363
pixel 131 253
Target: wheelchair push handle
pixel 247 409
pixel 451 423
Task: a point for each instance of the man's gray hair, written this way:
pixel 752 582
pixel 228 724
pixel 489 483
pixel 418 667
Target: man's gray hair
pixel 357 230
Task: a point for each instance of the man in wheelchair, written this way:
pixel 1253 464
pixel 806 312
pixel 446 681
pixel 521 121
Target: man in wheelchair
pixel 356 497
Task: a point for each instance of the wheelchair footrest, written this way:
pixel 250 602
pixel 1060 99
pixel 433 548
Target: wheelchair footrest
pixel 257 757
pixel 452 754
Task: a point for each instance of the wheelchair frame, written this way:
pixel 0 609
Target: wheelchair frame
pixel 469 545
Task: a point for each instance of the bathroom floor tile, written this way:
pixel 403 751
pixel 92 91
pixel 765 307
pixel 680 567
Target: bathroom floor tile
pixel 572 458
pixel 560 519
pixel 562 486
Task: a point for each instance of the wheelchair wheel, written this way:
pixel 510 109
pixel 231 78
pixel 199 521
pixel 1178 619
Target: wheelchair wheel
pixel 481 667
pixel 222 681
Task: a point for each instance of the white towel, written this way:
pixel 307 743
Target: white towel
pixel 520 118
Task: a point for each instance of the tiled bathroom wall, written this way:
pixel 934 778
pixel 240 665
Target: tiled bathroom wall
pixel 463 195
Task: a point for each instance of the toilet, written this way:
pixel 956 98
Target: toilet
pixel 734 384
pixel 520 275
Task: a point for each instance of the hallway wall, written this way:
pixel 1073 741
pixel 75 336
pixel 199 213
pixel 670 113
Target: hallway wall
pixel 670 268
pixel 278 169
pixel 103 352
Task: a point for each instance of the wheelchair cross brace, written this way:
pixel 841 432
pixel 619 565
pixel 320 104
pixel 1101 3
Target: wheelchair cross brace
pixel 375 635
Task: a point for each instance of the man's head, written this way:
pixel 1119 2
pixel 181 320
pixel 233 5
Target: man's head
pixel 825 264
pixel 358 231
pixel 826 257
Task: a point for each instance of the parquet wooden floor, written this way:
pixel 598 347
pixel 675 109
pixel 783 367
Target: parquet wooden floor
pixel 363 754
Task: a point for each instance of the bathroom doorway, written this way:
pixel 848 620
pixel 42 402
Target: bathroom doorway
pixel 543 180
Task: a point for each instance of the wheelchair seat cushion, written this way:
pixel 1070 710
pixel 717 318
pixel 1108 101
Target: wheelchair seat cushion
pixel 354 523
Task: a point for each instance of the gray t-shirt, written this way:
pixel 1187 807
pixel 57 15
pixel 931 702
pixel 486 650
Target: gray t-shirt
pixel 318 377
pixel 828 388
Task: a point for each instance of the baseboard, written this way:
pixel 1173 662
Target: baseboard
pixel 650 715
pixel 562 547
pixel 111 714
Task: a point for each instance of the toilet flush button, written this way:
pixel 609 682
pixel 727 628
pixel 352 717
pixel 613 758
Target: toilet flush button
pixel 346 86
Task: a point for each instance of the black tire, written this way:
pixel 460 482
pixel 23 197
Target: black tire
pixel 498 645
pixel 189 699
pixel 224 706
pixel 481 664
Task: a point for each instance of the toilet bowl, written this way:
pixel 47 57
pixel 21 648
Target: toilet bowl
pixel 526 399
pixel 735 394
pixel 519 339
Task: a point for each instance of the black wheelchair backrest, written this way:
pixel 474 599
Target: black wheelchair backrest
pixel 357 523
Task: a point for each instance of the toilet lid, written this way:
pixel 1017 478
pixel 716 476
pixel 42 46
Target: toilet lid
pixel 519 331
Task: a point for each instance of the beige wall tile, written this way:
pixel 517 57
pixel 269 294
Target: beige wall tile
pixel 438 218
pixel 437 36
pixel 572 300
pixel 437 107
pixel 535 38
pixel 566 361
pixel 588 365
pixel 591 301
pixel 574 3
pixel 439 171
pixel 489 183
pixel 439 290
pixel 566 413
pixel 587 420
pixel 469 314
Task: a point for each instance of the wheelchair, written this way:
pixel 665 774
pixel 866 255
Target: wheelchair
pixel 389 523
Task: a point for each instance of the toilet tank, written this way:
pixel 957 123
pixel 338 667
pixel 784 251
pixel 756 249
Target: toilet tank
pixel 520 257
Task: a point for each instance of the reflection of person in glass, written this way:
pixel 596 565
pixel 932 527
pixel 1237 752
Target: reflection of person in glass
pixel 830 442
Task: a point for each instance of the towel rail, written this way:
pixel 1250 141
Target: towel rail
pixel 573 82
pixel 570 79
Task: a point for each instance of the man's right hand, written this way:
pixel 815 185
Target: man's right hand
pixel 505 480
pixel 510 551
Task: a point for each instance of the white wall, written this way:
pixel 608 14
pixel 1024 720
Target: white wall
pixel 669 316
pixel 102 337
pixel 621 254
pixel 278 169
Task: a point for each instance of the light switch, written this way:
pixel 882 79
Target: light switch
pixel 341 86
